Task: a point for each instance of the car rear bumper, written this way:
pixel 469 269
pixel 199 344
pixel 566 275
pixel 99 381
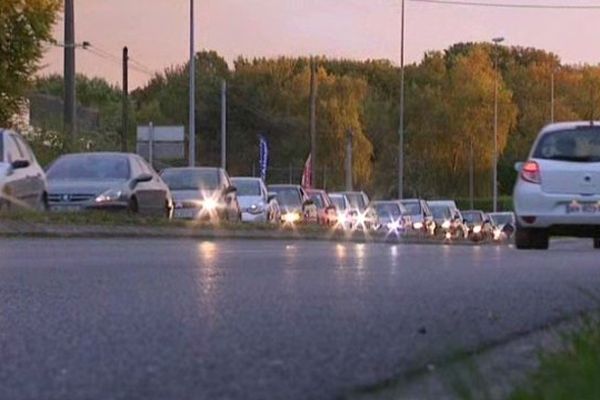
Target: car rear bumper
pixel 537 209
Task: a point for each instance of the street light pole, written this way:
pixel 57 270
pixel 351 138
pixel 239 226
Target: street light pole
pixel 70 108
pixel 497 72
pixel 192 111
pixel 401 125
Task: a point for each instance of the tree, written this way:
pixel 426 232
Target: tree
pixel 25 27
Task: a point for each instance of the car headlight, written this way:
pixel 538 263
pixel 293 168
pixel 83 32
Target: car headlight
pixel 109 195
pixel 393 226
pixel 256 208
pixel 291 217
pixel 209 204
pixel 477 229
pixel 418 225
pixel 341 218
pixel 446 225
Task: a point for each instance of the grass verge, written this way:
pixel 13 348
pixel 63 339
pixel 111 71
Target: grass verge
pixel 573 373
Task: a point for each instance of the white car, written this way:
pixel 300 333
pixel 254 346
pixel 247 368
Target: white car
pixel 255 201
pixel 22 180
pixel 558 189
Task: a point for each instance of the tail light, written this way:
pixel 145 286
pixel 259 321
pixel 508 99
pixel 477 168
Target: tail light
pixel 531 172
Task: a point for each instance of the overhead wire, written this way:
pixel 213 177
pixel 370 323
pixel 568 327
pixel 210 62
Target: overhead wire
pixel 510 5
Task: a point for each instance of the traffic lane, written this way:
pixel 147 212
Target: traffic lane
pixel 254 319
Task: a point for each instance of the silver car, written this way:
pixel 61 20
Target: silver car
pixel 107 181
pixel 22 180
pixel 558 189
pixel 256 203
pixel 203 193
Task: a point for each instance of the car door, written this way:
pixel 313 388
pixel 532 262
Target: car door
pixel 17 188
pixel 35 176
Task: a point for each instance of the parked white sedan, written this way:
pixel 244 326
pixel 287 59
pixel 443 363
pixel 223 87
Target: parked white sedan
pixel 558 189
pixel 22 180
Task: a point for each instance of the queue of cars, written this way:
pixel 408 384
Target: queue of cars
pixel 125 181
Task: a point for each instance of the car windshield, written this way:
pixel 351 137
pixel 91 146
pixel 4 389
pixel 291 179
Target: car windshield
pixel 356 201
pixel 387 210
pixel 576 145
pixel 338 202
pixel 289 197
pixel 246 187
pixel 441 212
pixel 473 217
pixel 318 200
pixel 412 207
pixel 90 167
pixel 502 219
pixel 191 179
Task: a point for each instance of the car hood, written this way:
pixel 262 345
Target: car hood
pixel 84 187
pixel 247 201
pixel 181 195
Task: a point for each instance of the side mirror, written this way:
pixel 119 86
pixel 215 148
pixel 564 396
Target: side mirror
pixel 519 166
pixel 230 189
pixel 308 203
pixel 20 164
pixel 271 197
pixel 139 179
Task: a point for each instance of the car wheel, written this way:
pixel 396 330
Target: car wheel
pixel 527 238
pixel 597 243
pixel 42 204
pixel 133 206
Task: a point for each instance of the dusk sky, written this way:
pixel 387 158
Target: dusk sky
pixel 156 31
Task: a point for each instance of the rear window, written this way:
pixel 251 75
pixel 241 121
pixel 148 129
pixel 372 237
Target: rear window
pixel 576 145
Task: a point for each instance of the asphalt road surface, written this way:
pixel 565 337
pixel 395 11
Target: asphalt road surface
pixel 166 319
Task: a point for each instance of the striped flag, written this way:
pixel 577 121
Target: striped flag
pixel 307 174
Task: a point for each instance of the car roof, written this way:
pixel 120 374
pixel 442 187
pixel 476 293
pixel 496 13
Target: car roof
pixel 245 178
pixel 284 186
pixel 558 126
pixel 192 169
pixel 412 200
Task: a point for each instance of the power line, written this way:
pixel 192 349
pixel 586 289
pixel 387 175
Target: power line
pixel 117 61
pixel 509 5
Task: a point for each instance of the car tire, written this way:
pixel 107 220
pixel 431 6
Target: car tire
pixel 42 205
pixel 536 239
pixel 597 243
pixel 133 206
pixel 168 210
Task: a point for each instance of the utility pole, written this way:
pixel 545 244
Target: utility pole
pixel 552 96
pixel 192 111
pixel 224 124
pixel 401 127
pixel 313 122
pixel 70 110
pixel 471 175
pixel 348 166
pixel 125 105
pixel 495 169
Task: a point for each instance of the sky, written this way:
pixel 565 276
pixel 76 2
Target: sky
pixel 157 31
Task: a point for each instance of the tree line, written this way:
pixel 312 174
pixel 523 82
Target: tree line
pixel 449 108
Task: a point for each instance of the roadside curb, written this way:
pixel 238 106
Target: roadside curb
pixel 28 229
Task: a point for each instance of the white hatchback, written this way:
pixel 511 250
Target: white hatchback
pixel 558 189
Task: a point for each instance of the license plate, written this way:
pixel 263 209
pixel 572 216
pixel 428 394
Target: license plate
pixel 583 208
pixel 188 213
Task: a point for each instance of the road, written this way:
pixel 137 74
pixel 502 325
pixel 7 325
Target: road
pixel 167 319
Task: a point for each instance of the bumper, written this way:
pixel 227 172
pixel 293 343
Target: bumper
pixel 256 218
pixel 537 209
